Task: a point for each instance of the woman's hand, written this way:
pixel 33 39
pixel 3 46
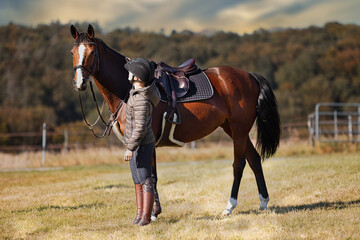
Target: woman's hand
pixel 128 155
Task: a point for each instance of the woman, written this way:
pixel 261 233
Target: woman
pixel 139 136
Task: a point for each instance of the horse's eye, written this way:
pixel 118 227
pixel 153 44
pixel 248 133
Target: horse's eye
pixel 72 54
pixel 92 52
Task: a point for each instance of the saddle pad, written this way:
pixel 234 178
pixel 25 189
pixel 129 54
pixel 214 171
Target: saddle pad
pixel 200 89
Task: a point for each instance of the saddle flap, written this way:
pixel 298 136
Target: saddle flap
pixel 181 85
pixel 178 84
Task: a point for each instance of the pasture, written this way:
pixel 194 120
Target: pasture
pixel 311 197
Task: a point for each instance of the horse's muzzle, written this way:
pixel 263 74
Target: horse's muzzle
pixel 82 86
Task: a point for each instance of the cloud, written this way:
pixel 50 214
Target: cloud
pixel 196 15
pixel 247 17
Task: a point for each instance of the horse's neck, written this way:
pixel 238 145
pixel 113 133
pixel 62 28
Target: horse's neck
pixel 111 79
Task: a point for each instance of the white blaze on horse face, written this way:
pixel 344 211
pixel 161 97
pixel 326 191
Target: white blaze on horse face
pixel 79 75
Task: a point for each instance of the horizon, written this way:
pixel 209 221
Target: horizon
pixel 205 32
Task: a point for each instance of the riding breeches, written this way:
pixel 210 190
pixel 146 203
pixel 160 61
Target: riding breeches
pixel 141 163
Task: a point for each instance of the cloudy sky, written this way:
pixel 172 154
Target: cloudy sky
pixel 241 16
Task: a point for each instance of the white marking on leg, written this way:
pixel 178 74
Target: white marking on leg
pixel 79 76
pixel 230 206
pixel 263 202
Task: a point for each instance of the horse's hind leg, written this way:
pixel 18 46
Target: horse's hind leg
pixel 157 207
pixel 254 161
pixel 238 168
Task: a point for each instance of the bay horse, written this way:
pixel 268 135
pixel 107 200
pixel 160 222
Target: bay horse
pixel 239 99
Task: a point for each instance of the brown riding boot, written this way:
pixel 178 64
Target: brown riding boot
pixel 139 202
pixel 148 202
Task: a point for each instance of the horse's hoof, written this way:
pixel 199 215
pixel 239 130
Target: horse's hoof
pixel 263 203
pixel 227 212
pixel 230 207
pixel 153 218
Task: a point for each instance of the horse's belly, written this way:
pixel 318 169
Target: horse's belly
pixel 199 119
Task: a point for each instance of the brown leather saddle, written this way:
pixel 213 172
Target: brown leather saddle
pixel 175 83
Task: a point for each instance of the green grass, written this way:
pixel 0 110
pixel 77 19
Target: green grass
pixel 313 197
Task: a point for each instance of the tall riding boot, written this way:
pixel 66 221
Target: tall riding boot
pixel 148 192
pixel 139 202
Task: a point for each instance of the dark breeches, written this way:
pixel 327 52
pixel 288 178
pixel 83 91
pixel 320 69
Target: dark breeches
pixel 140 164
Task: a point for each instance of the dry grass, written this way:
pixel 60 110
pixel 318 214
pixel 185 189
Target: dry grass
pixel 314 197
pixel 203 152
pixel 98 156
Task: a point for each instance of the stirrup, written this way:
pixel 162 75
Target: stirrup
pixel 173 117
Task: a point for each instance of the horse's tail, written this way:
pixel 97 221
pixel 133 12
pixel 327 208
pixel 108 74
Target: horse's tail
pixel 268 119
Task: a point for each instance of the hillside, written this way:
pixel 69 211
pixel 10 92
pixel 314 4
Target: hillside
pixel 304 66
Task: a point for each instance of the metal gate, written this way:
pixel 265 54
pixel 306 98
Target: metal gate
pixel 335 122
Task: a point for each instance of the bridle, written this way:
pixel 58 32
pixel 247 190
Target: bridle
pixel 113 116
pixel 96 60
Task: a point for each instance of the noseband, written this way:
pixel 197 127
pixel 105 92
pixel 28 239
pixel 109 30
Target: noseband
pixel 90 71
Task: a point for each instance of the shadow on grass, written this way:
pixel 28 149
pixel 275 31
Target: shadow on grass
pixel 306 207
pixel 56 207
pixel 112 186
pixel 210 218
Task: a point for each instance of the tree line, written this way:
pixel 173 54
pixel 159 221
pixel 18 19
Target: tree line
pixel 304 66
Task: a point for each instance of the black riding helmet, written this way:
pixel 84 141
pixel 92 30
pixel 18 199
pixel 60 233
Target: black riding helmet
pixel 141 68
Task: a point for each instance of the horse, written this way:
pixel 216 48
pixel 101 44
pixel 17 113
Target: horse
pixel 240 98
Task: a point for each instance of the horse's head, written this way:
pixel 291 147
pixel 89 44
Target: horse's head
pixel 85 57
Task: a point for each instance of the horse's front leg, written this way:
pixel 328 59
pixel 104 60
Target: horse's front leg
pixel 157 207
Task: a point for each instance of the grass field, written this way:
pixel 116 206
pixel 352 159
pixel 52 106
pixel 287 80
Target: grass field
pixel 311 197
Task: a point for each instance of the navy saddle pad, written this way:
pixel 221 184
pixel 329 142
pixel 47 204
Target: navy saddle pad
pixel 200 89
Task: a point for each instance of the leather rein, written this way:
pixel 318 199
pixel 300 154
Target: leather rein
pixel 108 125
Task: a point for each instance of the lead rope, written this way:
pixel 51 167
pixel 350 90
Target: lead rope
pixel 97 106
pixel 91 126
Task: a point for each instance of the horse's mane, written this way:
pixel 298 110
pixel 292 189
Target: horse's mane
pixel 109 48
pixel 83 38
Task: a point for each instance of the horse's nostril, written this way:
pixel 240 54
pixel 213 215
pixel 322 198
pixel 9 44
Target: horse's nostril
pixel 83 86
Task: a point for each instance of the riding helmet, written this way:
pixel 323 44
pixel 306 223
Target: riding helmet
pixel 140 67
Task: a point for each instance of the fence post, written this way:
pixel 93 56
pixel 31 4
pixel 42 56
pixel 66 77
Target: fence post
pixel 43 144
pixel 335 125
pixel 193 145
pixel 311 129
pixel 66 141
pixel 358 123
pixel 317 130
pixel 350 127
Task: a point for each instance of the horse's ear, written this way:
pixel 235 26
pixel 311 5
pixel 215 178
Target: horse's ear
pixel 91 32
pixel 74 32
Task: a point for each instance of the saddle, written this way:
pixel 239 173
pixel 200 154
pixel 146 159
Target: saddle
pixel 175 83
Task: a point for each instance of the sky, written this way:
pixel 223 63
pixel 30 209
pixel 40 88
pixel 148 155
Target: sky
pixel 240 16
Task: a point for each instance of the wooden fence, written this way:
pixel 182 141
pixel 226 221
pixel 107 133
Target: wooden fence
pixel 82 138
